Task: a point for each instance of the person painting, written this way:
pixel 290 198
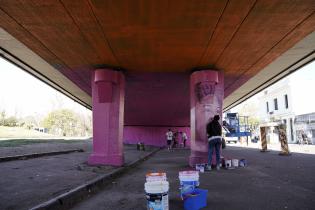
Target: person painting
pixel 214 132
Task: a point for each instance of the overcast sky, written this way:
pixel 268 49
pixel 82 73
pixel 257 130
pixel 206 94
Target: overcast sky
pixel 21 94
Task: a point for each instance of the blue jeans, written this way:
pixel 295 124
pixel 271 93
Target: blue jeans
pixel 215 143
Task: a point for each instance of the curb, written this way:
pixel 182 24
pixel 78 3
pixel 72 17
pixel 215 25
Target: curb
pixel 69 199
pixel 36 155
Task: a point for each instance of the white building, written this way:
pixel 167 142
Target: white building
pixel 276 105
pixel 286 99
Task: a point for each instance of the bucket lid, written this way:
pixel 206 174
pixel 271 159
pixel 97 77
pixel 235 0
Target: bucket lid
pixel 189 173
pixel 156 174
pixel 156 187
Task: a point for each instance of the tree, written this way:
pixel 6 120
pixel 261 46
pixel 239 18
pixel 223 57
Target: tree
pixel 64 122
pixel 10 121
pixel 250 109
pixel 2 117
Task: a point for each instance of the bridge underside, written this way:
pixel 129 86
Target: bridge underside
pixel 157 45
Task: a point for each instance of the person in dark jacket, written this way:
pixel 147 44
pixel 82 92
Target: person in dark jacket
pixel 214 132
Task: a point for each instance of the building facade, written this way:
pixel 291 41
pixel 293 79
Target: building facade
pixel 276 105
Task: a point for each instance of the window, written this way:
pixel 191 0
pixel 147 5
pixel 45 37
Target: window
pixel 275 103
pixel 267 107
pixel 291 128
pixel 286 102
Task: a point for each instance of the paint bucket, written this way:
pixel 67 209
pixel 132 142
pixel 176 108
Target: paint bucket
pixel 228 164
pixel 189 176
pixel 235 163
pixel 140 146
pixel 243 163
pixel 157 195
pixel 189 180
pixel 201 167
pixel 195 200
pixel 160 176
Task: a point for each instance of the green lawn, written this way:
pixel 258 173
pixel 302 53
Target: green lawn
pixel 17 136
pixel 20 142
pixel 19 132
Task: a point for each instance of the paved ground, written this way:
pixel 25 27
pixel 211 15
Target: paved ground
pixel 26 183
pixel 269 182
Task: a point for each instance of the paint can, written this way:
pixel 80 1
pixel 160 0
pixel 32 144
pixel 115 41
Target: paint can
pixel 201 167
pixel 235 163
pixel 243 163
pixel 157 195
pixel 189 180
pixel 195 200
pixel 228 164
pixel 159 176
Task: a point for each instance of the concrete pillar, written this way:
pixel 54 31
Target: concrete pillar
pixel 283 140
pixel 206 99
pixel 263 139
pixel 108 89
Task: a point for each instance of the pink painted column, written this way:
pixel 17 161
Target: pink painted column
pixel 206 99
pixel 108 92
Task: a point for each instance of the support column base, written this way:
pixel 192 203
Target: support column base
pixel 264 150
pixel 284 153
pixel 198 159
pixel 112 160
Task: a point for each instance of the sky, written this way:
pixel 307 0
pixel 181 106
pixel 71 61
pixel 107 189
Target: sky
pixel 22 95
pixel 303 85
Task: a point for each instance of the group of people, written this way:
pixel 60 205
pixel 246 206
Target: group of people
pixel 214 133
pixel 173 138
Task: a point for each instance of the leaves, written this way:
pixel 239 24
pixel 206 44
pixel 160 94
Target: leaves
pixel 64 122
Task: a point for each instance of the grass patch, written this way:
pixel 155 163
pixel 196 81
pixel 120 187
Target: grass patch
pixel 20 142
pixel 20 132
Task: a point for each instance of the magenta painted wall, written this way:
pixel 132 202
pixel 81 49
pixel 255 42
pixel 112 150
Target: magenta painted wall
pixel 151 135
pixel 157 99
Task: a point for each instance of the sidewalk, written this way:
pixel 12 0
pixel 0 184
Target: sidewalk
pixel 269 182
pixel 295 148
pixel 27 183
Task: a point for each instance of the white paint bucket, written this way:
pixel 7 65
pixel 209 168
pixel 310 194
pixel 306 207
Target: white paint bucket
pixel 157 195
pixel 228 163
pixel 235 163
pixel 189 176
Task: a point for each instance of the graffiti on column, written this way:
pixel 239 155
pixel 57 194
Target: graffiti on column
pixel 204 91
pixel 263 139
pixel 283 140
pixel 207 105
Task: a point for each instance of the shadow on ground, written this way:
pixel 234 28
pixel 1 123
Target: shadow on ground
pixel 269 182
pixel 27 183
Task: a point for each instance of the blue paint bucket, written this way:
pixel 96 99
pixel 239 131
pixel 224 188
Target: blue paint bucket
pixel 242 163
pixel 196 199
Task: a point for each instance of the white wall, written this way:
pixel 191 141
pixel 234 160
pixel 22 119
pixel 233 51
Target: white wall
pixel 278 91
